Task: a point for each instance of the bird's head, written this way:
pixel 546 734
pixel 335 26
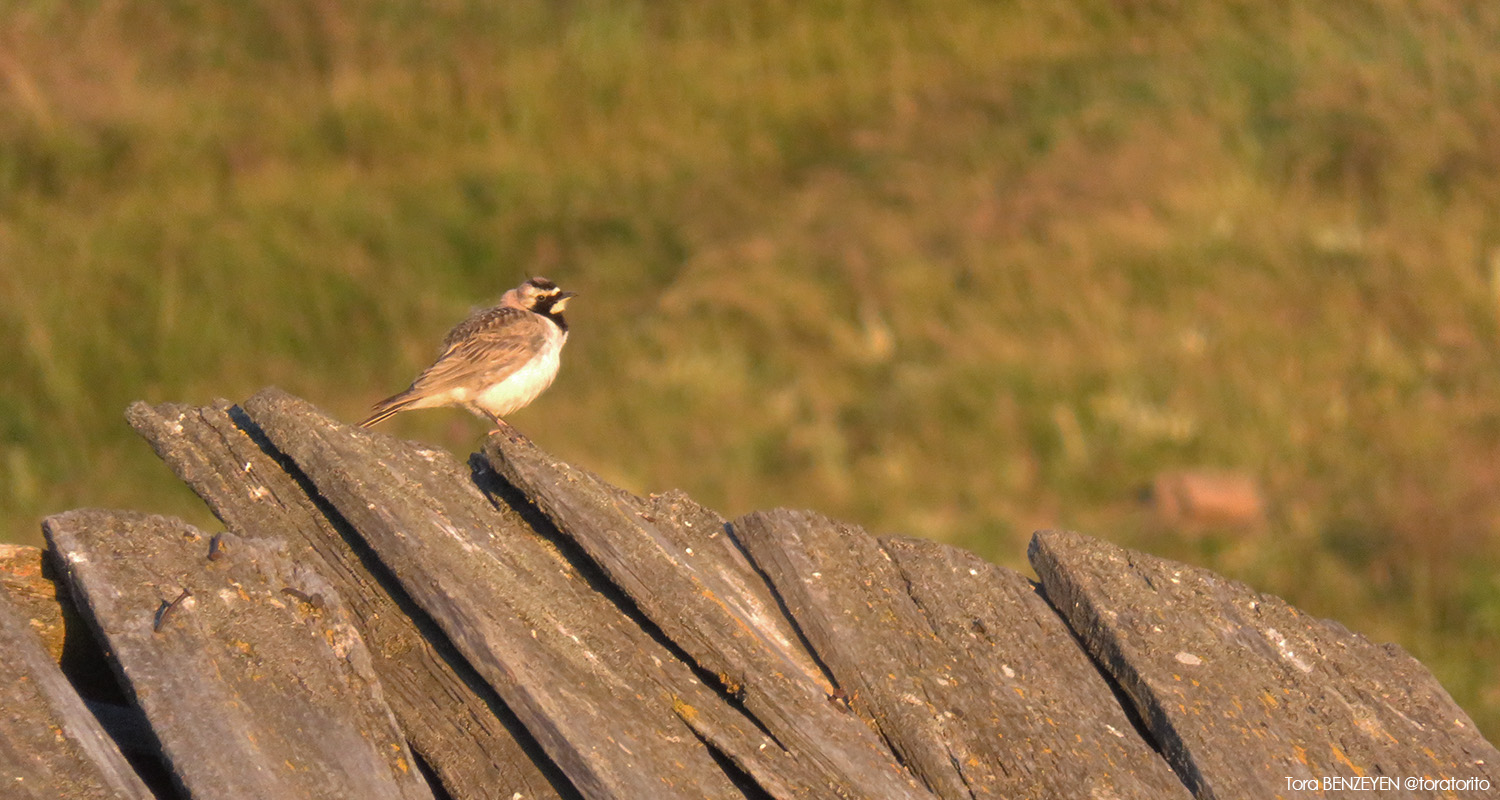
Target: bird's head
pixel 539 295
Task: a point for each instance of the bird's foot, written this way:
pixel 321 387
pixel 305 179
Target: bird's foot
pixel 506 429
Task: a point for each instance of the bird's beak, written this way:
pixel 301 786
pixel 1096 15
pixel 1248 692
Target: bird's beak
pixel 566 295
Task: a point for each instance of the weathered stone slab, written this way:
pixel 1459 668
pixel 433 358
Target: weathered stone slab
pixel 34 596
pixel 248 667
pixel 609 704
pixel 1045 710
pixel 50 745
pixel 1244 691
pixel 683 571
pixel 454 721
pixel 849 600
pixel 644 655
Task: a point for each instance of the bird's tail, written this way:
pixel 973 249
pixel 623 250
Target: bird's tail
pixel 388 407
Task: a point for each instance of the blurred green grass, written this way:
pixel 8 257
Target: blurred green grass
pixel 960 270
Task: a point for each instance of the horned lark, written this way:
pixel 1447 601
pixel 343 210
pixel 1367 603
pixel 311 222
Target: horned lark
pixel 494 362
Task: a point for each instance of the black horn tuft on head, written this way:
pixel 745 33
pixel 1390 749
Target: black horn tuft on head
pixel 542 284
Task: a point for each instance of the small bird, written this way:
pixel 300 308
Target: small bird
pixel 496 361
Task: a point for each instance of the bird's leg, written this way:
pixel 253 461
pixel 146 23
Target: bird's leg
pixel 501 426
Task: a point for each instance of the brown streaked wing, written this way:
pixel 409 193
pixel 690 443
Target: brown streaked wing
pixel 490 319
pixel 494 344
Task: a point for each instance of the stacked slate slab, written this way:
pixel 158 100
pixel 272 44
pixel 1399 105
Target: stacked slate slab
pixel 378 619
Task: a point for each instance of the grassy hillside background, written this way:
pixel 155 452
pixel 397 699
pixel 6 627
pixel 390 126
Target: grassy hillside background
pixel 962 271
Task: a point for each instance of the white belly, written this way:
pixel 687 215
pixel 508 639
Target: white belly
pixel 523 385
